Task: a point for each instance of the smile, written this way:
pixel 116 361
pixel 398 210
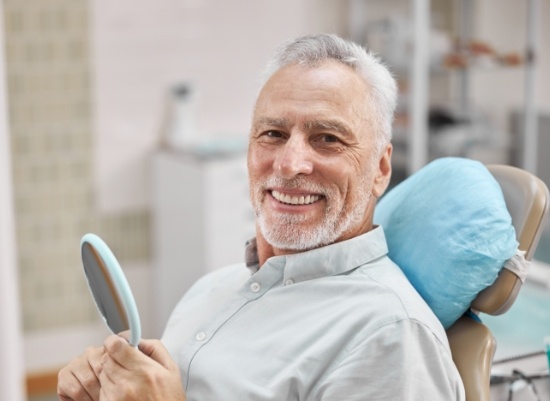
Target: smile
pixel 295 200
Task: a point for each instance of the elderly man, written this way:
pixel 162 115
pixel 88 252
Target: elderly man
pixel 319 312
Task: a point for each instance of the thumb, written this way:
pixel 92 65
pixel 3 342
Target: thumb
pixel 156 351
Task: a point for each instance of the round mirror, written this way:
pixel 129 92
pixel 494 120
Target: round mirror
pixel 110 288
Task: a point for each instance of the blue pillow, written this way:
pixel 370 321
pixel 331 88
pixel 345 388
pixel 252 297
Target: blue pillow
pixel 449 230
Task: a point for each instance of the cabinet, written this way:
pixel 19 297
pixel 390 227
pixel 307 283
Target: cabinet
pixel 201 220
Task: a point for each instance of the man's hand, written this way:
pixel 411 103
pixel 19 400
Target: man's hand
pixel 129 374
pixel 79 381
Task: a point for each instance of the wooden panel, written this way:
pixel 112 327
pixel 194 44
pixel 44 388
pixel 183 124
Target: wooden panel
pixel 41 383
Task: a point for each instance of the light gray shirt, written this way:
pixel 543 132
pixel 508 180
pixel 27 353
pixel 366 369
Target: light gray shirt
pixel 340 322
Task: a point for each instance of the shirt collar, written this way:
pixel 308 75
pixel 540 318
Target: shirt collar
pixel 329 260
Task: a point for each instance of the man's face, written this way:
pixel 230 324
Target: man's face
pixel 312 164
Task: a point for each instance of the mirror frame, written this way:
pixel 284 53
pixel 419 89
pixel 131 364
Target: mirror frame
pixel 117 282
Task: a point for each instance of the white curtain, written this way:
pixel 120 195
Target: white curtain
pixel 12 361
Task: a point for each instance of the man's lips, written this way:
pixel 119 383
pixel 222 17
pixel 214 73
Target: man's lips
pixel 295 199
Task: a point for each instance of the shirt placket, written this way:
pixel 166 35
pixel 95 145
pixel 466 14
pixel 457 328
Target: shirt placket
pixel 269 276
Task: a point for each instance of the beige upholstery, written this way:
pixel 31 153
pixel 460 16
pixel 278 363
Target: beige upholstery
pixel 472 344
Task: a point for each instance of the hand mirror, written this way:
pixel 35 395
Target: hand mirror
pixel 109 287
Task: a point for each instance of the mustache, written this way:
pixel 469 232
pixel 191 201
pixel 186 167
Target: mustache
pixel 302 183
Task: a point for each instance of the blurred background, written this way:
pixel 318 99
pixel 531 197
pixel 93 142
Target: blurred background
pixel 130 119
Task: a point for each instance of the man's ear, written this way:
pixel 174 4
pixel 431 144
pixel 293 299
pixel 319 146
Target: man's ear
pixel 383 174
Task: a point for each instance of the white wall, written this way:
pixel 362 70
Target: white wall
pixel 11 361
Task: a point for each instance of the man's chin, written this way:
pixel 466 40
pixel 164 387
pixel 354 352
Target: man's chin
pixel 301 239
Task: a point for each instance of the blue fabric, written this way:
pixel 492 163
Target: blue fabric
pixel 449 230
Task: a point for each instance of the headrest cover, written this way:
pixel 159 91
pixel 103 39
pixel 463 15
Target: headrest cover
pixel 518 265
pixel 449 230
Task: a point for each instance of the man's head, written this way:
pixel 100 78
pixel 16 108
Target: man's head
pixel 319 147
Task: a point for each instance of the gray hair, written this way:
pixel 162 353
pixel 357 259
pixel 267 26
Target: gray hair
pixel 312 50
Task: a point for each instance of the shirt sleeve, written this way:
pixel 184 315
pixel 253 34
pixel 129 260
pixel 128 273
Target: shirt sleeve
pixel 400 361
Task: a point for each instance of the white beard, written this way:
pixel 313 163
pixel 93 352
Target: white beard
pixel 284 231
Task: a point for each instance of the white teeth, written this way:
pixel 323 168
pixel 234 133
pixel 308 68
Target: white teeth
pixel 295 200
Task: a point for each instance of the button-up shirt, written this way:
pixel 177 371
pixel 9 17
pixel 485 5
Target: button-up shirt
pixel 339 322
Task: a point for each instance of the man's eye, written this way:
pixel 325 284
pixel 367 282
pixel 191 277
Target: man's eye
pixel 330 138
pixel 274 134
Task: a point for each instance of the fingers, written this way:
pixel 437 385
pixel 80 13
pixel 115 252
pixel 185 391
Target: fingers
pixel 125 334
pixel 156 350
pixel 121 351
pixel 128 357
pixel 95 360
pixel 110 368
pixel 115 369
pixel 79 380
pixel 147 373
pixel 72 388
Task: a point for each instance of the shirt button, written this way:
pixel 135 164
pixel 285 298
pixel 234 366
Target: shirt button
pixel 255 287
pixel 201 336
pixel 289 282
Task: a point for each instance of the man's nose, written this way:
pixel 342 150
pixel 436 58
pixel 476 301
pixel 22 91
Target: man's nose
pixel 294 158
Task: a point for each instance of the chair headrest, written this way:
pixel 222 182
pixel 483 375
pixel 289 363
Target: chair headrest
pixel 528 201
pixel 449 230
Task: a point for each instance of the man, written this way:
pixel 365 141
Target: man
pixel 319 312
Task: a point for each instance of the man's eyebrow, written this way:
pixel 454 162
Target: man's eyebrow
pixel 272 122
pixel 329 125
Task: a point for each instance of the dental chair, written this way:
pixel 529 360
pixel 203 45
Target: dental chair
pixel 472 344
pixel 463 234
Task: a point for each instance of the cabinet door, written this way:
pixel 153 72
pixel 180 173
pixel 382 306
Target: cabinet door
pixel 229 220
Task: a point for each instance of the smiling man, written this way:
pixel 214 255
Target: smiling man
pixel 318 311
